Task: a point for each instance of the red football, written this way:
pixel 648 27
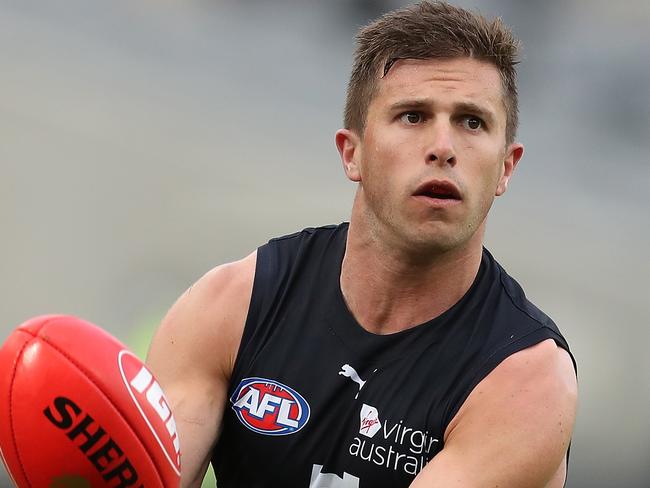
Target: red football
pixel 78 409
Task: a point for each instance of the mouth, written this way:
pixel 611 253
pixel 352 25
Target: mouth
pixel 439 190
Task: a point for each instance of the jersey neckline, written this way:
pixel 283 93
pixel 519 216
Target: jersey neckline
pixel 350 331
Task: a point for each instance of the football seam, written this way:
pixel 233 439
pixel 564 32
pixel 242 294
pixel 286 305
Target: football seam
pixel 11 392
pixel 11 416
pixel 118 409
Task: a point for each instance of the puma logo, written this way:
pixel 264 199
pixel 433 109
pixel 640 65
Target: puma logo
pixel 349 372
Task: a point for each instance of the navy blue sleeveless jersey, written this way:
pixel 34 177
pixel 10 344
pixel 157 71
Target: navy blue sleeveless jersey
pixel 316 401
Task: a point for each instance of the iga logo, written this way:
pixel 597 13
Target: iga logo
pixel 148 397
pixel 268 407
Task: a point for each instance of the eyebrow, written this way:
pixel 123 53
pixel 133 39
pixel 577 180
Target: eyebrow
pixel 462 107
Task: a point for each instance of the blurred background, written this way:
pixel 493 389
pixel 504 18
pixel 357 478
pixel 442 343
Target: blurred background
pixel 143 142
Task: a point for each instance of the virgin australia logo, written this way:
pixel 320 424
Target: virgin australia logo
pixel 370 423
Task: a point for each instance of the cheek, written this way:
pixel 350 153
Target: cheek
pixel 485 179
pixel 384 176
pixel 377 159
pixel 491 178
pixel 490 168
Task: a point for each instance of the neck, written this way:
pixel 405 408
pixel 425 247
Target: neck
pixel 389 288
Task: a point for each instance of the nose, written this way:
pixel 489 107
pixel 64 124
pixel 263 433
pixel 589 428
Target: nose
pixel 441 147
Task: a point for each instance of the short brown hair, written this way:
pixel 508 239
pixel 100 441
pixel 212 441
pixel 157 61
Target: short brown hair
pixel 425 31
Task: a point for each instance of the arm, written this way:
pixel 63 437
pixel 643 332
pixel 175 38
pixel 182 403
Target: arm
pixel 193 353
pixel 514 428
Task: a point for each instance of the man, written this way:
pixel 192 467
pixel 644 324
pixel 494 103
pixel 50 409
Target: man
pixel 393 351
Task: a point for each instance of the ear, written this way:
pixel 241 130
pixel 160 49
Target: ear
pixel 514 152
pixel 348 144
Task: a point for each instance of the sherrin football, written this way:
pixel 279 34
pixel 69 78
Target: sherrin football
pixel 77 409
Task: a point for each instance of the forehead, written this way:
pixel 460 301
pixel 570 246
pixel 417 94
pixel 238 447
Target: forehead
pixel 446 79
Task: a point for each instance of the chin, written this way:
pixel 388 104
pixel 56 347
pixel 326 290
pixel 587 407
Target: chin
pixel 431 243
pixel 438 240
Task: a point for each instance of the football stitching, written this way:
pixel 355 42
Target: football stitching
pixel 11 416
pixel 11 390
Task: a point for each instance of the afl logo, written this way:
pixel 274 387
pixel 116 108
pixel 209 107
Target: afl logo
pixel 268 407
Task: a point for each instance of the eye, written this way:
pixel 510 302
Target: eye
pixel 473 123
pixel 411 118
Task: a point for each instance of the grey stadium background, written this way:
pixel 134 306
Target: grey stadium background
pixel 143 142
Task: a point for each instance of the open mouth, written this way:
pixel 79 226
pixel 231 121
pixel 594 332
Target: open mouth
pixel 439 190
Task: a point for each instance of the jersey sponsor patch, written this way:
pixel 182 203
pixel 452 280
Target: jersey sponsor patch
pixel 391 444
pixel 330 480
pixel 269 407
pixel 370 423
pixel 148 397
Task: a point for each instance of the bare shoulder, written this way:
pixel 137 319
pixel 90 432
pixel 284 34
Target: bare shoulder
pixel 514 428
pixel 203 328
pixel 543 369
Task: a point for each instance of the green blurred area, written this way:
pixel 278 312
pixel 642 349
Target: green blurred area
pixel 138 341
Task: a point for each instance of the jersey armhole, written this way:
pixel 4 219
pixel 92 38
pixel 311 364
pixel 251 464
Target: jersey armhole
pixel 256 306
pixel 500 354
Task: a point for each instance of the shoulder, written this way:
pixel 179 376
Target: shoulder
pixel 525 409
pixel 515 427
pixel 309 236
pixel 513 424
pixel 223 282
pixel 533 367
pixel 520 306
pixel 282 256
pixel 203 328
pixel 537 380
pixel 506 324
pixel 516 323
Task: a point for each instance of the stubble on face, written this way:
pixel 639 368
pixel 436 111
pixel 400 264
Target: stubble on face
pixel 396 158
